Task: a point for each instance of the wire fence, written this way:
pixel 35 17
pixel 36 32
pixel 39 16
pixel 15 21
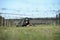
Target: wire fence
pixel 34 21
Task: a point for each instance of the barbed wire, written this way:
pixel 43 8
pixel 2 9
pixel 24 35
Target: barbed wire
pixel 11 14
pixel 3 9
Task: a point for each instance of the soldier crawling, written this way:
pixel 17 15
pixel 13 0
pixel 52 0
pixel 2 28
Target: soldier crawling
pixel 24 22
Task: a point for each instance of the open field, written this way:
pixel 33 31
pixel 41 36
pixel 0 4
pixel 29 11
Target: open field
pixel 38 32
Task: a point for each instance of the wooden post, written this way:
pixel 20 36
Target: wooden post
pixel 59 18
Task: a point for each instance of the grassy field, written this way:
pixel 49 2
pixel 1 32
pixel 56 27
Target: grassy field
pixel 38 32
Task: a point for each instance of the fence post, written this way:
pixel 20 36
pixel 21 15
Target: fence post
pixel 59 18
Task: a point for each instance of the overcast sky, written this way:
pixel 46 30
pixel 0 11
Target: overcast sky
pixel 30 8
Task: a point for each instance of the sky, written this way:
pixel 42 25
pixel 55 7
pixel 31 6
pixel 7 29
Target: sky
pixel 29 8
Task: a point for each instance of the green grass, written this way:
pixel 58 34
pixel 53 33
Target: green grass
pixel 38 32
